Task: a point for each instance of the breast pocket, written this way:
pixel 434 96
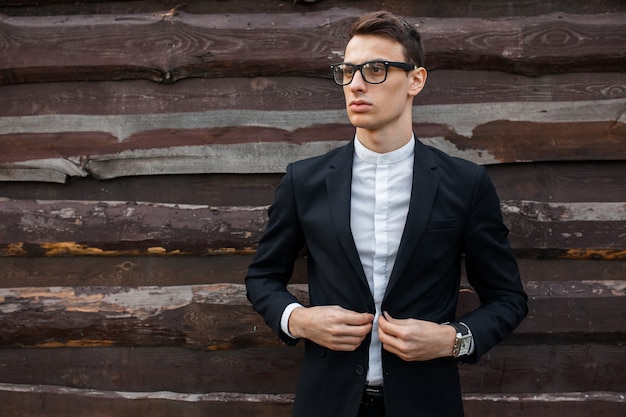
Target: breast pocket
pixel 442 224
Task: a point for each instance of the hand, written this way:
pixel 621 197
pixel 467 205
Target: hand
pixel 333 327
pixel 415 340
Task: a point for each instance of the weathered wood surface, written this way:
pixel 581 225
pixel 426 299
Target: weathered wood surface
pixel 248 141
pixel 250 126
pixel 166 47
pixel 280 93
pixel 265 133
pixel 113 228
pixel 274 371
pixel 134 271
pixel 575 181
pixel 218 317
pixel 534 90
pixel 469 8
pixel 59 402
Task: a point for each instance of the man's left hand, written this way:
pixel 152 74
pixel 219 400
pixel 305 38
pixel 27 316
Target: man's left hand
pixel 415 340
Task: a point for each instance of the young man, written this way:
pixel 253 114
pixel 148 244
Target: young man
pixel 385 221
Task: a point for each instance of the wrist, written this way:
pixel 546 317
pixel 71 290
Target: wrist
pixel 293 323
pixel 449 340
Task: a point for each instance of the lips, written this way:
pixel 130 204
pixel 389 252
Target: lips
pixel 359 105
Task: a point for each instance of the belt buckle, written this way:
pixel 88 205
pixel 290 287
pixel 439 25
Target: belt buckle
pixel 376 391
pixel 373 396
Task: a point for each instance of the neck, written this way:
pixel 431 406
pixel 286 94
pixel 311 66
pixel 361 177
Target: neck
pixel 383 142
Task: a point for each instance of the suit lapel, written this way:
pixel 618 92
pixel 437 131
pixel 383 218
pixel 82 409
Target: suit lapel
pixel 423 191
pixel 339 186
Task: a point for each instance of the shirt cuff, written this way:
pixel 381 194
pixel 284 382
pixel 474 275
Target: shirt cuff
pixel 284 320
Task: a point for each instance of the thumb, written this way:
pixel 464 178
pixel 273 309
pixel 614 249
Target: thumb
pixel 388 317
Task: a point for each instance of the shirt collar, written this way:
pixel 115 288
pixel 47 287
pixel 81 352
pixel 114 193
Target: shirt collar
pixel 388 158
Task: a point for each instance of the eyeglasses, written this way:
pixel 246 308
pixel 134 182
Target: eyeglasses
pixel 373 72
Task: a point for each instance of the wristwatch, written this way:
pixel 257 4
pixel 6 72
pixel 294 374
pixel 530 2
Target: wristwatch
pixel 463 340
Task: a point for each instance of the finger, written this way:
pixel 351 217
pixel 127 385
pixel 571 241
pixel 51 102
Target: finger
pixel 388 325
pixel 358 319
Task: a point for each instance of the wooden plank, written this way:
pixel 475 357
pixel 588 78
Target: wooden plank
pixel 560 182
pixel 218 316
pixel 212 189
pixel 265 142
pixel 251 371
pixel 115 228
pixel 188 45
pixel 208 317
pixel 138 271
pixel 462 119
pixel 118 228
pixel 583 181
pixel 469 8
pixel 546 369
pixel 281 93
pixel 507 368
pixel 133 271
pixel 27 401
pixel 577 404
pixel 54 401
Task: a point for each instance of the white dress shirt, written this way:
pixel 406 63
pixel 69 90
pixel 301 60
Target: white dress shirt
pixel 381 191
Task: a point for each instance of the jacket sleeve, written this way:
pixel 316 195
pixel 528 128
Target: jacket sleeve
pixel 272 266
pixel 491 270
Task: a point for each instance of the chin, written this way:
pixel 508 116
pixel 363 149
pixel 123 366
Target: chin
pixel 360 121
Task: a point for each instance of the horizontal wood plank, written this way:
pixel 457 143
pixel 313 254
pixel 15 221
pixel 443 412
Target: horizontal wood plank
pixel 54 401
pixel 469 8
pixel 141 271
pixel 115 228
pixel 257 141
pixel 583 181
pixel 283 93
pixel 172 46
pixel 506 369
pixel 27 401
pixel 218 316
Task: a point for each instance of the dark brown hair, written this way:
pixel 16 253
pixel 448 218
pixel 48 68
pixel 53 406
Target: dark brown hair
pixel 392 27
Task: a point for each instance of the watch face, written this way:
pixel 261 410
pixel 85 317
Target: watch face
pixel 465 346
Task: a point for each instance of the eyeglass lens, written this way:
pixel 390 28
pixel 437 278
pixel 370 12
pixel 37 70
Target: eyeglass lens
pixel 372 72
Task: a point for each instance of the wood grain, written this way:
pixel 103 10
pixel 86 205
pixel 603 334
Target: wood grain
pixel 282 93
pixel 469 8
pixel 125 296
pixel 117 228
pixel 59 402
pixel 166 47
pixel 218 316
pixel 275 370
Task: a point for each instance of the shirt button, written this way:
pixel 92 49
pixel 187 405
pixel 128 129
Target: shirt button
pixel 360 370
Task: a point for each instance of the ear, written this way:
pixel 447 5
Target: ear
pixel 418 80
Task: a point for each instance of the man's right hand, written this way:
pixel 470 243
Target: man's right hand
pixel 333 327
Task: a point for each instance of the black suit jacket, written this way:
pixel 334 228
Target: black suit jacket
pixel 454 214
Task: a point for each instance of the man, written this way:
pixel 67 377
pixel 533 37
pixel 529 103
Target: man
pixel 386 222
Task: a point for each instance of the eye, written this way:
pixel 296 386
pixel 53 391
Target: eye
pixel 375 67
pixel 347 69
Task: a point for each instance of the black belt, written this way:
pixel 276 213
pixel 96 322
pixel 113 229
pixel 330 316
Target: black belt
pixel 373 396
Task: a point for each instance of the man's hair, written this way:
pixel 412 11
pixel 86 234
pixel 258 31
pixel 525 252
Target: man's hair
pixel 392 27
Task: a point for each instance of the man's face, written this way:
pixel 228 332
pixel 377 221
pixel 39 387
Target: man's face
pixel 379 106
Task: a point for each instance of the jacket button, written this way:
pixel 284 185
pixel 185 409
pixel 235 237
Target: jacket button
pixel 360 370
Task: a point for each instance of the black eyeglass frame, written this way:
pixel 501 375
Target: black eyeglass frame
pixel 359 67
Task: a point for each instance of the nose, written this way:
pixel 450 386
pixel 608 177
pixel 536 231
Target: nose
pixel 358 83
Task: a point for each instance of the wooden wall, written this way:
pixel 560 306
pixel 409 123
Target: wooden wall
pixel 140 145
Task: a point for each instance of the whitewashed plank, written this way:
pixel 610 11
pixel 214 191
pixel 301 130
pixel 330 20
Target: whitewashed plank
pixel 460 118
